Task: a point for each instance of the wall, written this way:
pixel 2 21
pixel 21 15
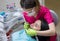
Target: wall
pixel 54 5
pixel 4 2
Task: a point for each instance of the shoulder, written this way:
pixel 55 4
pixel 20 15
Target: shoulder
pixel 44 9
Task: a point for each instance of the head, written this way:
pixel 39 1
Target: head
pixel 30 5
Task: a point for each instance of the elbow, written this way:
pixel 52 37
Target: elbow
pixel 53 32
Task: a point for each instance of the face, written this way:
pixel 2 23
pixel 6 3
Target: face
pixel 31 11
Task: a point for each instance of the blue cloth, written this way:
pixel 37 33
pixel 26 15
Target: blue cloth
pixel 2 13
pixel 21 36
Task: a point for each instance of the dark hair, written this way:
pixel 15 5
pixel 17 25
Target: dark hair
pixel 28 3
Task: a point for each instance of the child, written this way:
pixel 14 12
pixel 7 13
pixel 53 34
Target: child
pixel 36 25
pixel 34 12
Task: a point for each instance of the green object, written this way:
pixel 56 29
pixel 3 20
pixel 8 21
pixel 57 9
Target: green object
pixel 26 25
pixel 31 32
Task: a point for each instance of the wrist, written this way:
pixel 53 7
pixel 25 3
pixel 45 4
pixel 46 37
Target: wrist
pixel 37 32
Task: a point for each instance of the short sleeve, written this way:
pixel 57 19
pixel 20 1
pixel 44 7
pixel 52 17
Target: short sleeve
pixel 47 16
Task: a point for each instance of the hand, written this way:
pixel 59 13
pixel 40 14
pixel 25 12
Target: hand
pixel 26 25
pixel 31 32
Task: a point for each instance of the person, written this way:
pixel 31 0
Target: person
pixel 38 20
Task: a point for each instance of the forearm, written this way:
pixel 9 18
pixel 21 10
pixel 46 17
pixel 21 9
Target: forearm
pixel 50 32
pixel 46 33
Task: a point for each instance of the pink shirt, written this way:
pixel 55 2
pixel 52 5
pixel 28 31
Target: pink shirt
pixel 43 13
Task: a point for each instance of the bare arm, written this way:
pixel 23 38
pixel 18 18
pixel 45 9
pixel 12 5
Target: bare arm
pixel 49 32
